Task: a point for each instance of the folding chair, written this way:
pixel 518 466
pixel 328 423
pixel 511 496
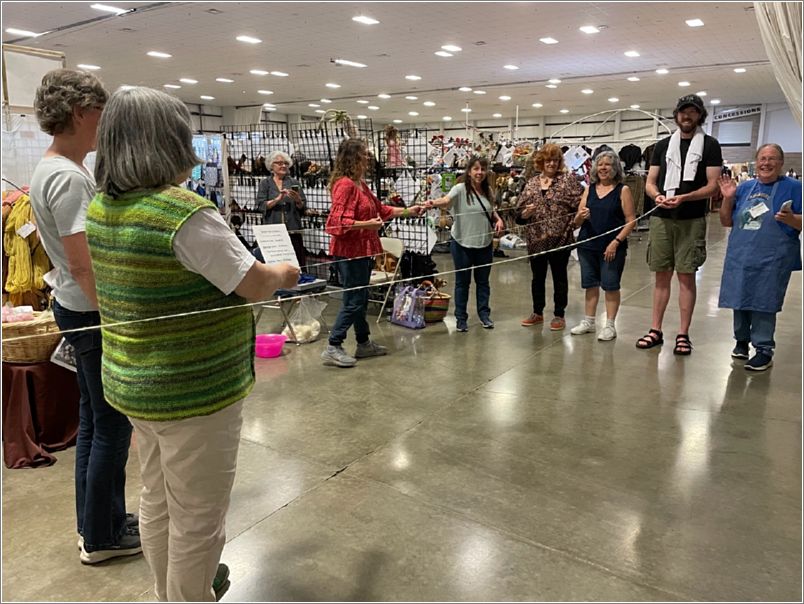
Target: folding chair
pixel 395 248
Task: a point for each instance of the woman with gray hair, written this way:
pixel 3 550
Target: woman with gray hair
pixel 281 200
pixel 68 106
pixel 606 206
pixel 158 250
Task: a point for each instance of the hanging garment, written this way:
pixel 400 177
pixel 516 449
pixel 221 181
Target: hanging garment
pixel 630 155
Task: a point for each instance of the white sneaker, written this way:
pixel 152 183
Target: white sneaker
pixel 583 327
pixel 607 334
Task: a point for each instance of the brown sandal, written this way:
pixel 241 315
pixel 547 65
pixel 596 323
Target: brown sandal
pixel 653 338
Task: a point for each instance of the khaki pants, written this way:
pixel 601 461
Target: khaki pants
pixel 188 468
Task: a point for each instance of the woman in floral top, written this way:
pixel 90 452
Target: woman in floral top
pixel 546 207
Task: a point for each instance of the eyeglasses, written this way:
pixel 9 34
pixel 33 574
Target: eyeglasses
pixel 280 163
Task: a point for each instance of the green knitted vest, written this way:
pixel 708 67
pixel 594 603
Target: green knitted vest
pixel 164 369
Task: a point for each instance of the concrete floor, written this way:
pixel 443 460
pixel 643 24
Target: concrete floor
pixel 507 464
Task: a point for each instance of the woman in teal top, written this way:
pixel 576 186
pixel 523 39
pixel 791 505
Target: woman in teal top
pixel 475 223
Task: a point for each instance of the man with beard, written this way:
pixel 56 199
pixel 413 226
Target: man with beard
pixel 684 173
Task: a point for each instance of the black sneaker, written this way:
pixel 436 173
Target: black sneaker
pixel 221 583
pixel 132 525
pixel 487 323
pixel 759 362
pixel 461 325
pixel 740 350
pixel 128 545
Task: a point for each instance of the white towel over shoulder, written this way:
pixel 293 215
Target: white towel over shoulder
pixel 673 175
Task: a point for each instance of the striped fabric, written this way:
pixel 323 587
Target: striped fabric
pixel 169 368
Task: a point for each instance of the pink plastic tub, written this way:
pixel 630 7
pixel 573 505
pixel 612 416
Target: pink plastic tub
pixel 269 345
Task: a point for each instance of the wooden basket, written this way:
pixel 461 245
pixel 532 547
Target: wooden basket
pixel 31 350
pixel 436 303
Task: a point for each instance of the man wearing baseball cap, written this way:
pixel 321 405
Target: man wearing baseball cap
pixel 684 173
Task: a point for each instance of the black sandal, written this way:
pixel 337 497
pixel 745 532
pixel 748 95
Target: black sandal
pixel 653 338
pixel 683 345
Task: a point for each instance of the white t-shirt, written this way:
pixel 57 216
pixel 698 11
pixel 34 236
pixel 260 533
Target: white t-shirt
pixel 471 226
pixel 60 193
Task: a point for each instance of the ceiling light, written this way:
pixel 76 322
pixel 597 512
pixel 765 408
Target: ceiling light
pixel 374 107
pixel 125 87
pixel 413 77
pixel 504 97
pixel 412 98
pixel 224 80
pixel 715 101
pixel 694 22
pixel 739 70
pixel 325 101
pixel 320 111
pixel 362 117
pixel 279 74
pixel 446 118
pixel 332 85
pixel 662 71
pixel 634 106
pixel 170 86
pixel 248 39
pixel 554 81
pixel 614 99
pixel 497 115
pixel 551 86
pixel 266 92
pixel 563 110
pixel 587 91
pixel 88 66
pixel 397 121
pixel 362 101
pixel 258 71
pixel 313 105
pixel 466 110
pixel 633 79
pixel 589 29
pixel 548 40
pixel 479 91
pixel 511 67
pixel 451 48
pixel 428 104
pixel 158 55
pixel 465 89
pixel 23 32
pixel 631 53
pixel 382 95
pixel 413 113
pixel 683 84
pixel 443 53
pixel 365 20
pixel 109 9
pixel 206 97
pixel 537 105
pixel 269 105
pixel 269 108
pixel 349 63
pixel 188 80
pixel 701 93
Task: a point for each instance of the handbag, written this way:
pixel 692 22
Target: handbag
pixel 408 308
pixel 436 303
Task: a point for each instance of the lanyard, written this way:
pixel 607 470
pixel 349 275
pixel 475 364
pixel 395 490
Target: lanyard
pixel 772 193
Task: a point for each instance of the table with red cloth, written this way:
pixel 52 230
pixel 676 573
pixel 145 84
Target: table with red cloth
pixel 40 413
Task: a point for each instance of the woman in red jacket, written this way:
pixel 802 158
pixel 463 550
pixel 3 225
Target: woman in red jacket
pixel 354 219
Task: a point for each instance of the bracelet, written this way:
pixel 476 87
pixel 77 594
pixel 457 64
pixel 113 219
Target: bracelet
pixel 618 240
pixel 405 213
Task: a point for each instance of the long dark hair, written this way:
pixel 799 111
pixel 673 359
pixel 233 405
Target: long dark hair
pixel 486 187
pixel 347 161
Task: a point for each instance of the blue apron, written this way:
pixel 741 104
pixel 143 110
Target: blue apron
pixel 760 256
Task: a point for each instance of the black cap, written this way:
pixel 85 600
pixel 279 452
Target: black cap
pixel 691 100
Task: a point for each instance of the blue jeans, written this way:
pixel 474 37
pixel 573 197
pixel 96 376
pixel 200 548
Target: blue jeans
pixel 104 436
pixel 466 258
pixel 354 273
pixel 596 272
pixel 756 327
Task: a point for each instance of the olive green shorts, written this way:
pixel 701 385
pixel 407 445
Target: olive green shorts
pixel 676 245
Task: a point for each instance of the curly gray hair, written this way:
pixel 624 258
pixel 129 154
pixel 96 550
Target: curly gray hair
pixel 616 167
pixel 60 92
pixel 279 155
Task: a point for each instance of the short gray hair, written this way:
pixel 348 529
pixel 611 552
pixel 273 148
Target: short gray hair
pixel 60 91
pixel 616 166
pixel 279 155
pixel 145 141
pixel 776 147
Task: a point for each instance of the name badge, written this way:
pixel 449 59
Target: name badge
pixel 758 210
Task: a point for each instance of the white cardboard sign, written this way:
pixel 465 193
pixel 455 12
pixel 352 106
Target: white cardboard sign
pixel 274 241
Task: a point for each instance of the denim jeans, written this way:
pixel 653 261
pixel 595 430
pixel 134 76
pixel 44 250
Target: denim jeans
pixel 558 262
pixel 354 273
pixel 104 436
pixel 756 327
pixel 480 259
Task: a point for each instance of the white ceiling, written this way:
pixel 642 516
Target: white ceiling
pixel 301 38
